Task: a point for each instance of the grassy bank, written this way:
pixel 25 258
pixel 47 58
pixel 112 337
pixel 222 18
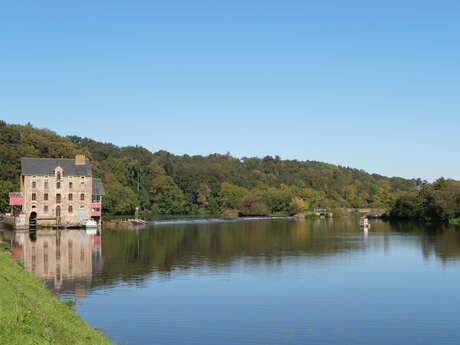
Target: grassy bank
pixel 31 314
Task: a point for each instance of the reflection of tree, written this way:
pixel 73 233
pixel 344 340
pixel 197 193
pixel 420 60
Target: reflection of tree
pixel 446 244
pixel 129 253
pixel 72 260
pixel 163 248
pixel 435 239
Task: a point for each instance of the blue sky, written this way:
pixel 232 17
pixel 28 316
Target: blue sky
pixel 369 84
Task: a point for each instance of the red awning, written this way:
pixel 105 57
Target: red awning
pixel 15 199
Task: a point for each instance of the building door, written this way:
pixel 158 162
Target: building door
pixel 33 219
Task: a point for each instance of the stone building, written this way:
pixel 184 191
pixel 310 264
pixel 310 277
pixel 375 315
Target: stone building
pixel 59 192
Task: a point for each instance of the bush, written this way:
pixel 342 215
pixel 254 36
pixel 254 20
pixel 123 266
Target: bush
pixel 280 214
pixel 455 221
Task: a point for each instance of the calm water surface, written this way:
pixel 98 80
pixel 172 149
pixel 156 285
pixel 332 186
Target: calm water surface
pixel 257 282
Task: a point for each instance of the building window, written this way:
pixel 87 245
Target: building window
pixel 70 185
pixel 34 184
pixel 34 196
pixel 70 209
pixel 58 175
pixel 70 196
pixel 45 196
pixel 58 198
pixel 58 185
pixel 82 184
pixel 45 208
pixel 46 184
pixel 82 196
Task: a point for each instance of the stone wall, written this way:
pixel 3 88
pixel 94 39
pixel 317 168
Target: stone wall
pixel 19 222
pixel 46 210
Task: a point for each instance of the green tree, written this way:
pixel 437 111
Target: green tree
pixel 119 199
pixel 5 188
pixel 297 205
pixel 446 196
pixel 232 195
pixel 254 205
pixel 166 196
pixel 406 207
pixel 209 184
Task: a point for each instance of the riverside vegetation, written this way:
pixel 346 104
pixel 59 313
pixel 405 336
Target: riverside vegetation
pixel 31 314
pixel 436 202
pixel 218 184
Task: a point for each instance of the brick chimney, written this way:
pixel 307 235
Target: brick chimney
pixel 80 160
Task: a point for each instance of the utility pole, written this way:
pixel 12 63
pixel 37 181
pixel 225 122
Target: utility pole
pixel 138 181
pixel 138 188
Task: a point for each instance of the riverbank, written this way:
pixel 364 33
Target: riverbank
pixel 31 314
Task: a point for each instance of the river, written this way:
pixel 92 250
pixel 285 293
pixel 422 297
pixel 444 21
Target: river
pixel 256 281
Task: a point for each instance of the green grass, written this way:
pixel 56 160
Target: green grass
pixel 31 315
pixel 280 214
pixel 455 221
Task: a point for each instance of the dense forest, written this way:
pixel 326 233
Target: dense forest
pixel 219 184
pixel 439 201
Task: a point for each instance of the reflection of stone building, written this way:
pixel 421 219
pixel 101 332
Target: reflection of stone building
pixel 66 259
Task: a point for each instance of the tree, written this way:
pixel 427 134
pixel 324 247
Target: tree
pixel 406 207
pixel 119 199
pixel 232 195
pixel 278 199
pixel 166 197
pixel 312 196
pixel 446 196
pixel 297 205
pixel 207 184
pixel 254 205
pixel 204 193
pixel 5 188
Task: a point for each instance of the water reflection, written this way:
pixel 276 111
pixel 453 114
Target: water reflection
pixel 256 282
pixel 439 240
pixel 131 254
pixel 73 261
pixel 65 259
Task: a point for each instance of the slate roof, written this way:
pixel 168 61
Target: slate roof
pixel 46 166
pixel 98 187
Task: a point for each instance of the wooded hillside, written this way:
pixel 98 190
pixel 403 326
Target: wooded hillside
pixel 214 184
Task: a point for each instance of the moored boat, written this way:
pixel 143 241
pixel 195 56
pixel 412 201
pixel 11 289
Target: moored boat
pixel 91 224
